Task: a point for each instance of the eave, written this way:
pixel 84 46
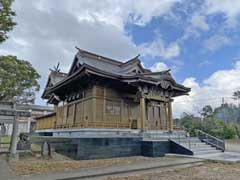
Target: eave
pixel 86 70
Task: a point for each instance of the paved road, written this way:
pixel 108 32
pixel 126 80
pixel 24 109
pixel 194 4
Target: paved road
pixel 5 172
pixel 229 157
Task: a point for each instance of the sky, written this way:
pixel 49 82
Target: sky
pixel 197 39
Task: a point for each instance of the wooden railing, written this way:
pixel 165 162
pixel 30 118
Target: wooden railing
pixel 95 124
pixel 178 128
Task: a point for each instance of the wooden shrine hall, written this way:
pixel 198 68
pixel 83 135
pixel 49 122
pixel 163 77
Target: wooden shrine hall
pixel 100 92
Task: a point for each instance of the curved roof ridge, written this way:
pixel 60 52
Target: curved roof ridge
pixel 100 57
pixel 131 60
pixel 158 72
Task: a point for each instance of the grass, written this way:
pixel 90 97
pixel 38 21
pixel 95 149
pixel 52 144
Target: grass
pixel 5 139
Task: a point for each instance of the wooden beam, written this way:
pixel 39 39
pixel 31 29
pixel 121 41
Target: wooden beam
pixel 166 124
pixel 142 112
pixel 157 98
pixel 94 103
pixel 104 104
pixel 170 120
pixel 55 108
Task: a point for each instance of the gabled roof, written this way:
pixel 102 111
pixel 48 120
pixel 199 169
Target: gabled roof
pixel 86 70
pixel 106 64
pixel 131 72
pixel 53 78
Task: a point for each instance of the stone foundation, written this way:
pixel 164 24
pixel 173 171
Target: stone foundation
pixel 99 144
pixel 99 148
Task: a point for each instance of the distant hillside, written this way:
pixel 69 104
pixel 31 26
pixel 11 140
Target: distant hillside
pixel 228 113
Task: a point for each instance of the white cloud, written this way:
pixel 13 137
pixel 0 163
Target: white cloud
pixel 159 66
pixel 157 48
pixel 114 12
pixel 48 31
pixel 204 63
pixel 216 42
pixel 174 67
pixel 220 84
pixel 199 22
pixel 144 10
pixel 230 8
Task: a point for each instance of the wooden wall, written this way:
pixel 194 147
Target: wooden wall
pixel 105 107
pixel 100 107
pixel 46 122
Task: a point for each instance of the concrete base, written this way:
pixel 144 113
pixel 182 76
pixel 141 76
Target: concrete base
pixel 109 143
pixel 103 133
pixel 90 132
pixel 99 148
pixel 155 148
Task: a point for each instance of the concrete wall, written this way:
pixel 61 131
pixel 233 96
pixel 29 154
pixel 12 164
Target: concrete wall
pixel 23 127
pixel 178 149
pixel 99 148
pixel 155 148
pixel 110 147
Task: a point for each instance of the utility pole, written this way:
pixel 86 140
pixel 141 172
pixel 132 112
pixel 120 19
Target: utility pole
pixel 223 112
pixel 14 137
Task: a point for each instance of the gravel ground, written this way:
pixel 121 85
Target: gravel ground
pixel 207 171
pixel 35 165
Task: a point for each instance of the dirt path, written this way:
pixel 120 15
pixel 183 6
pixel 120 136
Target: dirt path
pixel 35 165
pixel 207 171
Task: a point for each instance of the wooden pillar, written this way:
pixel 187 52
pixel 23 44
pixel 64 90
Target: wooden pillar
pixel 94 104
pixel 170 120
pixel 55 108
pixel 142 112
pixel 166 125
pixel 74 114
pixel 104 106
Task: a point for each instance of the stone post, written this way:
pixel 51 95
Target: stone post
pixel 14 137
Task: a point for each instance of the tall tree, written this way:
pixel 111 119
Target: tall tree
pixel 207 111
pixel 236 96
pixel 17 78
pixel 6 19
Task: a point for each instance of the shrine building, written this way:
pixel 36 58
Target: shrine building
pixel 100 92
pixel 105 108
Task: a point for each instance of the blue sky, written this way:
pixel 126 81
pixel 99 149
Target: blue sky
pixel 201 54
pixel 197 39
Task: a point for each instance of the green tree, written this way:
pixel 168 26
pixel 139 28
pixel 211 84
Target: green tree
pixel 6 19
pixel 229 131
pixel 207 111
pixel 190 122
pixel 236 96
pixel 17 78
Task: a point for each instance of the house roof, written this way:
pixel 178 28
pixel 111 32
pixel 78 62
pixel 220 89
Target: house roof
pixel 53 78
pixel 130 72
pixel 120 67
